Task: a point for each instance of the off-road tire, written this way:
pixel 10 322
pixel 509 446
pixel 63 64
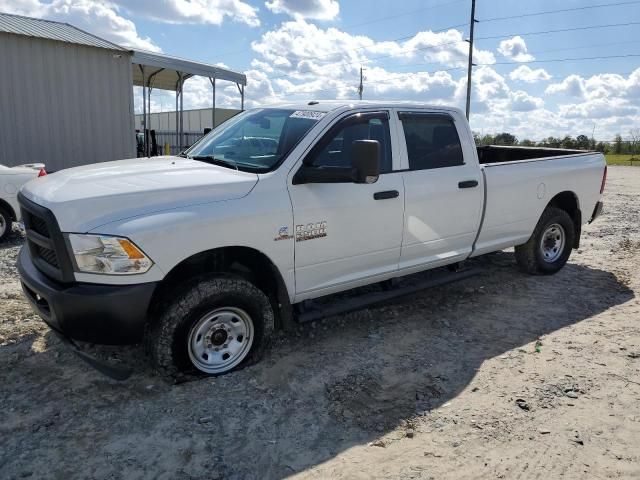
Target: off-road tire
pixel 166 335
pixel 529 255
pixel 7 221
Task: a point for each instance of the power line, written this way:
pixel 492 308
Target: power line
pixel 603 57
pixel 597 45
pixel 429 47
pixel 563 10
pixel 544 32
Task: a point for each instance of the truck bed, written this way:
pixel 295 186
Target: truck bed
pixel 520 182
pixel 500 154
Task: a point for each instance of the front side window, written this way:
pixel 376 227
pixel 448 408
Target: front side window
pixel 255 140
pixel 432 141
pixel 336 149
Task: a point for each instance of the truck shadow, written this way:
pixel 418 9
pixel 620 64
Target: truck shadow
pixel 325 388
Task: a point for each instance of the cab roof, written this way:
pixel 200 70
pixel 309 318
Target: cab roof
pixel 330 105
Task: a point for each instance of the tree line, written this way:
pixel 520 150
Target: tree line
pixel 618 146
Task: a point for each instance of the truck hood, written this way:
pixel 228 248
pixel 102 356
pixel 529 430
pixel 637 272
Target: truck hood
pixel 84 198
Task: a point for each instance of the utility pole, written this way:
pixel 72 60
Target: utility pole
pixel 361 86
pixel 472 24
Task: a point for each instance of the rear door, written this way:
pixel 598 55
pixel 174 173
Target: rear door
pixel 347 233
pixel 443 189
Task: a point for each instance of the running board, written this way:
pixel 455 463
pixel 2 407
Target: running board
pixel 314 311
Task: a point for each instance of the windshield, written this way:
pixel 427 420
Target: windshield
pixel 255 140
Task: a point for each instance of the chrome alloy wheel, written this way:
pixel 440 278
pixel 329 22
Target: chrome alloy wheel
pixel 220 340
pixel 3 225
pixel 552 242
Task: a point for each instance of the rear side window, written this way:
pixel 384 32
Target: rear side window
pixel 337 147
pixel 432 141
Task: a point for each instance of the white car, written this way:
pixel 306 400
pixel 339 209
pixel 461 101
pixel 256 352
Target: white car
pixel 11 180
pixel 206 254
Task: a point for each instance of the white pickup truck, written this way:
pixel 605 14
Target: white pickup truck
pixel 11 180
pixel 206 253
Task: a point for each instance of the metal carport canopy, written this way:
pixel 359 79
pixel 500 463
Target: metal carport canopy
pixel 156 70
pixel 167 78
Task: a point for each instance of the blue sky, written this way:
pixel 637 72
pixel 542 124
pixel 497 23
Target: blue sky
pixel 410 49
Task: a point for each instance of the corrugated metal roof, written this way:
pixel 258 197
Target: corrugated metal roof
pixel 63 32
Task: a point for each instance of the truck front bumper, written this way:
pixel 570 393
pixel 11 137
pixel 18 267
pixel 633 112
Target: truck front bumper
pixel 103 314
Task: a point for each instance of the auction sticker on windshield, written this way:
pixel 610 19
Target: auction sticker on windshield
pixel 308 114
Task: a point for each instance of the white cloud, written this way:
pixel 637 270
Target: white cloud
pixel 525 74
pixel 599 108
pixel 515 49
pixel 448 48
pixel 312 9
pixel 99 18
pixel 523 102
pixel 212 12
pixel 302 50
pixel 573 86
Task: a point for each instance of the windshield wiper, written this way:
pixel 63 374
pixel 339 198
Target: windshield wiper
pixel 215 161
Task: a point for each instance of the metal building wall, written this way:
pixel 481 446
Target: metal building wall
pixel 64 104
pixel 194 120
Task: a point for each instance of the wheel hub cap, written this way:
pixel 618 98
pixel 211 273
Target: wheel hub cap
pixel 552 243
pixel 219 336
pixel 220 339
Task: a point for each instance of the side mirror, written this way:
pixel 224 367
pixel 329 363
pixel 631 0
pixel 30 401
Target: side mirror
pixel 365 159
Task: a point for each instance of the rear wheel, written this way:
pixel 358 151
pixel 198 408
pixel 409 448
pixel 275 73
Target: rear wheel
pixel 216 325
pixel 550 245
pixel 6 222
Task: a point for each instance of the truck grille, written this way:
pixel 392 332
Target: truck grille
pixel 48 256
pixel 46 244
pixel 40 226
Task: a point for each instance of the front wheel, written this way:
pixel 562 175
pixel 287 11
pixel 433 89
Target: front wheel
pixel 216 325
pixel 550 244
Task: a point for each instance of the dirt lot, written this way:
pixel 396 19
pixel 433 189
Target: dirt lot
pixel 499 376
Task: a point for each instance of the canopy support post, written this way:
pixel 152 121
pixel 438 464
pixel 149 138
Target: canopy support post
pixel 181 112
pixel 213 97
pixel 178 93
pixel 148 125
pixel 144 112
pixel 241 90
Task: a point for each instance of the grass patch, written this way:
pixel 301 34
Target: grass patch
pixel 622 159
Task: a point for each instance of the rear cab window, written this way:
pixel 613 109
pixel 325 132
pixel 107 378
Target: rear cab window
pixel 432 140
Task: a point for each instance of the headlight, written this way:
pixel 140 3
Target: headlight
pixel 108 255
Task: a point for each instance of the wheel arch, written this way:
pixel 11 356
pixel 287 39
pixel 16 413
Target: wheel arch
pixel 569 202
pixel 249 263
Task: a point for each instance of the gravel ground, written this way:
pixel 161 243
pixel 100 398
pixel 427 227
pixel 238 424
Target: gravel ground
pixel 500 376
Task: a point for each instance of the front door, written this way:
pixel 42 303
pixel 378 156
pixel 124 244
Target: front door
pixel 347 233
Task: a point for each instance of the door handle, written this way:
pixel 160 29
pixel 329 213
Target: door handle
pixel 386 194
pixel 468 184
